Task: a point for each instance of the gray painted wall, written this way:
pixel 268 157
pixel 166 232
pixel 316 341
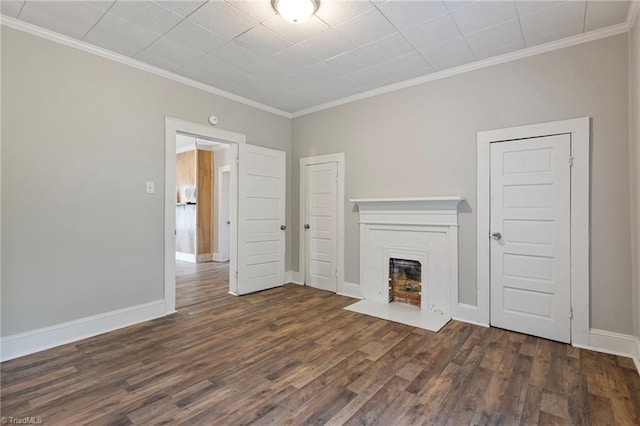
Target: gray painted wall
pixel 634 150
pixel 80 136
pixel 421 141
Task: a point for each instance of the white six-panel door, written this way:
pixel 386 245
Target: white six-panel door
pixel 261 218
pixel 321 207
pixel 530 227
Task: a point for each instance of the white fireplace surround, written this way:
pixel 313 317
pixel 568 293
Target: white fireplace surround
pixel 424 229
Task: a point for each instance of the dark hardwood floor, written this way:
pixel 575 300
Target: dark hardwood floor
pixel 292 355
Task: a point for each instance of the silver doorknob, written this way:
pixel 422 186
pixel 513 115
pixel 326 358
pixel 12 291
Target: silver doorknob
pixel 283 227
pixel 306 226
pixel 496 236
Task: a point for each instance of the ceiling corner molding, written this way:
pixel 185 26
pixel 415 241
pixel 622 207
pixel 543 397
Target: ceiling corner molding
pixel 25 27
pixel 508 57
pixel 632 14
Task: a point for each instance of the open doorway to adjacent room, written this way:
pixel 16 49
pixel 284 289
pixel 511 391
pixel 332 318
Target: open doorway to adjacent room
pixel 202 269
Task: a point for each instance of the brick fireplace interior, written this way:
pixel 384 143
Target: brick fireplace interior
pixel 405 281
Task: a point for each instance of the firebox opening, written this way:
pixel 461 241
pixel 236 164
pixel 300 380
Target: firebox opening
pixel 405 284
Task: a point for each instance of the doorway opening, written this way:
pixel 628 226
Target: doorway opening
pixel 257 210
pixel 197 206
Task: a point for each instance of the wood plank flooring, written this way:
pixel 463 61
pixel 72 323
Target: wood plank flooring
pixel 292 355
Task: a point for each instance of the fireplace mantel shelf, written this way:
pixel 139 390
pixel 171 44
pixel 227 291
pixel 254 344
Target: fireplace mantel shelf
pixel 410 203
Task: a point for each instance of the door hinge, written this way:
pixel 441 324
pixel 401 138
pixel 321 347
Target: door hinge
pixel 336 273
pixel 236 275
pixel 571 161
pixel 570 313
pixel 238 160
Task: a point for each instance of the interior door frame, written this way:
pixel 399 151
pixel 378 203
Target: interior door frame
pixel 338 158
pixel 220 170
pixel 173 126
pixel 580 133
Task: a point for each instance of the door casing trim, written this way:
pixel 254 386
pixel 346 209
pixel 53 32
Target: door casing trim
pixel 171 127
pixel 579 129
pixel 302 258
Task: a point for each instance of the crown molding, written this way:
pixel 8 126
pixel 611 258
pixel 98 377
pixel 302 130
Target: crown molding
pixel 632 14
pixel 19 25
pixel 624 27
pixel 513 56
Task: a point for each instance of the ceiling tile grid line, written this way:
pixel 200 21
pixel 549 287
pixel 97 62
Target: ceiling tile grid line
pixel 348 47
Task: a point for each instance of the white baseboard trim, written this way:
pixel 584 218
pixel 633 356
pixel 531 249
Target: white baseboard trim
pixel 350 290
pixel 205 257
pixel 186 257
pixel 217 258
pixel 636 359
pixel 293 277
pixel 469 314
pixel 29 342
pixel 613 343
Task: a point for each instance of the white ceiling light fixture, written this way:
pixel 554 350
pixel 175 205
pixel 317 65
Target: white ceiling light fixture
pixel 295 11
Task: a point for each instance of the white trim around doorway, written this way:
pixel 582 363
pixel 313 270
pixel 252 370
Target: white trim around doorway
pixel 173 126
pixel 579 129
pixel 342 287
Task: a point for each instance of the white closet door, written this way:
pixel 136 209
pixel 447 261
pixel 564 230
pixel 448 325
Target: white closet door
pixel 530 226
pixel 321 231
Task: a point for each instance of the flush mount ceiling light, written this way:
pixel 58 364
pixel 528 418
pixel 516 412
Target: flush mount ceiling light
pixel 295 11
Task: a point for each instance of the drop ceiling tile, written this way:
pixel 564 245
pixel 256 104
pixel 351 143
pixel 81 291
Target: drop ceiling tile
pixel 327 44
pixel 181 7
pixel 384 49
pixel 293 82
pixel 457 4
pixel 452 51
pixel 193 35
pixel 262 41
pixel 432 32
pixel 334 12
pixel 223 19
pixel 167 54
pixel 320 72
pixel 485 54
pixel 566 18
pixel 258 10
pixel 11 8
pixel 148 14
pixel 455 62
pixel 204 65
pixel 266 69
pixel 483 14
pixel 234 55
pixel 373 76
pixel 70 18
pixel 405 14
pixel 366 28
pixel 294 58
pixel 102 5
pixel 550 37
pixel 493 38
pixel 408 66
pixel 602 14
pixel 525 7
pixel 295 33
pixel 119 35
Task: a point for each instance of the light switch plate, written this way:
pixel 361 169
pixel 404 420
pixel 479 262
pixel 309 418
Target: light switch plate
pixel 151 188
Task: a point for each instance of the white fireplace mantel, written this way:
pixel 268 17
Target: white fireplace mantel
pixel 441 210
pixel 424 229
